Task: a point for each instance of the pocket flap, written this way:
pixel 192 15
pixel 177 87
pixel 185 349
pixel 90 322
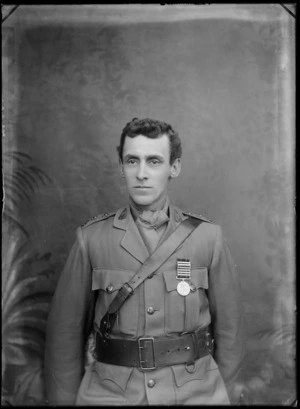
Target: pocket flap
pixel 117 374
pixel 113 280
pixel 199 277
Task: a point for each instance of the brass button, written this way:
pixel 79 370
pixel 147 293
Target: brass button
pixel 109 288
pixel 151 383
pixel 150 310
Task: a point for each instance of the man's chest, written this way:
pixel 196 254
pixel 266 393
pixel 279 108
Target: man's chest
pixel 157 300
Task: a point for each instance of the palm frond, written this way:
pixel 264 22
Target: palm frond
pixel 37 300
pixel 43 177
pixel 17 254
pixel 24 322
pixel 20 183
pixel 21 340
pixel 17 155
pixel 19 290
pixel 20 355
pixel 28 311
pixel 24 179
pixel 9 201
pixel 14 266
pixel 7 215
pixel 25 335
pixel 26 301
pixel 275 335
pixel 8 159
pixel 30 389
pixel 17 189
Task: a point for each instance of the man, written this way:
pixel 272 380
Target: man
pixel 169 334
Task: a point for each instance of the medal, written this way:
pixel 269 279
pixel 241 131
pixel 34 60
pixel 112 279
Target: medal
pixel 183 288
pixel 183 273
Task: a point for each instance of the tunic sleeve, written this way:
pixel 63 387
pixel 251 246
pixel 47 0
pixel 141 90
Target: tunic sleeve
pixel 227 315
pixel 64 349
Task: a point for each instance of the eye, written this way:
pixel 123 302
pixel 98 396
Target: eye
pixel 131 161
pixel 155 162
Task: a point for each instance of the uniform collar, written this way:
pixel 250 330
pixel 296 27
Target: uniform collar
pixel 132 241
pixel 124 217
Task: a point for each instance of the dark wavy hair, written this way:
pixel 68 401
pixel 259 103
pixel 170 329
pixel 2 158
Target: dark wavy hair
pixel 153 129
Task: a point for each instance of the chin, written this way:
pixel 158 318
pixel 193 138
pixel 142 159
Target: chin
pixel 142 201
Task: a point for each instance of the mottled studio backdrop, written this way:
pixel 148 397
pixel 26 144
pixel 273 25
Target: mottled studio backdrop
pixel 223 76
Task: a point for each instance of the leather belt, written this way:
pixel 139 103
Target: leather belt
pixel 149 353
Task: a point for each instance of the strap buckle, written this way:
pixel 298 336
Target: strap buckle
pixel 146 353
pixel 107 324
pixel 127 289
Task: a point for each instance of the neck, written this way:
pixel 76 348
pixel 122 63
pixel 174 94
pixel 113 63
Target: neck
pixel 154 207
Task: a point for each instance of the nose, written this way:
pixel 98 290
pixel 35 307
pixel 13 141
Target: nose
pixel 142 172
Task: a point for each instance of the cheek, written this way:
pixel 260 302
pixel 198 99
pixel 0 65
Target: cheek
pixel 163 180
pixel 129 174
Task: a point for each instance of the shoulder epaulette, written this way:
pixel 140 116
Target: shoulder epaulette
pixel 99 218
pixel 198 216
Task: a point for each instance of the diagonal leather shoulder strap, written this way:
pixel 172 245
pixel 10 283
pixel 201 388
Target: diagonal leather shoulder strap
pixel 152 263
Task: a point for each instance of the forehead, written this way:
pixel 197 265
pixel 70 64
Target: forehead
pixel 143 146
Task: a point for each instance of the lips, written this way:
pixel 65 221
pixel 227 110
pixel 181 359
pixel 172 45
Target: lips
pixel 142 187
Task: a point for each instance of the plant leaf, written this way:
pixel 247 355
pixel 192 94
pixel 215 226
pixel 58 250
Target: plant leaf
pixel 18 154
pixel 12 354
pixel 23 178
pixel 9 158
pixel 24 322
pixel 36 300
pixel 13 296
pixel 16 189
pixel 28 311
pixel 24 343
pixel 41 175
pixel 7 197
pixel 30 175
pixel 31 389
pixel 11 219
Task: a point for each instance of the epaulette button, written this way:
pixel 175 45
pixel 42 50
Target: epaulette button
pixel 109 288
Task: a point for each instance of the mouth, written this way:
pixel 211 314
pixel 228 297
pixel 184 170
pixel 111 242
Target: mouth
pixel 142 187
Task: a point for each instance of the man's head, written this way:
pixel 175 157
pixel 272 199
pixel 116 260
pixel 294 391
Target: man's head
pixel 152 129
pixel 149 156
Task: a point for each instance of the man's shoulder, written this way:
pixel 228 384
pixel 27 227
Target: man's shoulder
pixel 99 218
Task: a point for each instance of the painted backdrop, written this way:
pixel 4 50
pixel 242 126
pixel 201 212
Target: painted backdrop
pixel 223 76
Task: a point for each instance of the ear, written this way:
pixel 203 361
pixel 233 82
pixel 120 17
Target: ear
pixel 175 168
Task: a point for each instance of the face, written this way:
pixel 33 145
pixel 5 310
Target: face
pixel 147 170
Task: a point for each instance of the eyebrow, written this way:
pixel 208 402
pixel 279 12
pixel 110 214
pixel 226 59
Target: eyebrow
pixel 148 157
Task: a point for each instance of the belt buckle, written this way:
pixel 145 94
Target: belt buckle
pixel 141 342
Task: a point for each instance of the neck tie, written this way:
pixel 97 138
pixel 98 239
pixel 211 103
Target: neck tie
pixel 150 226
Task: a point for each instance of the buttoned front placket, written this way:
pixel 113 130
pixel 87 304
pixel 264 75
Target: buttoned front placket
pixel 158 384
pixel 160 387
pixel 154 295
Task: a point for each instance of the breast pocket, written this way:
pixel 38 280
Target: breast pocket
pixel 186 313
pixel 108 283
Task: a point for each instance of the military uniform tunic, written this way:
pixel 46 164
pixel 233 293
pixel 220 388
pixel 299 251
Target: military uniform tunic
pixel 106 254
